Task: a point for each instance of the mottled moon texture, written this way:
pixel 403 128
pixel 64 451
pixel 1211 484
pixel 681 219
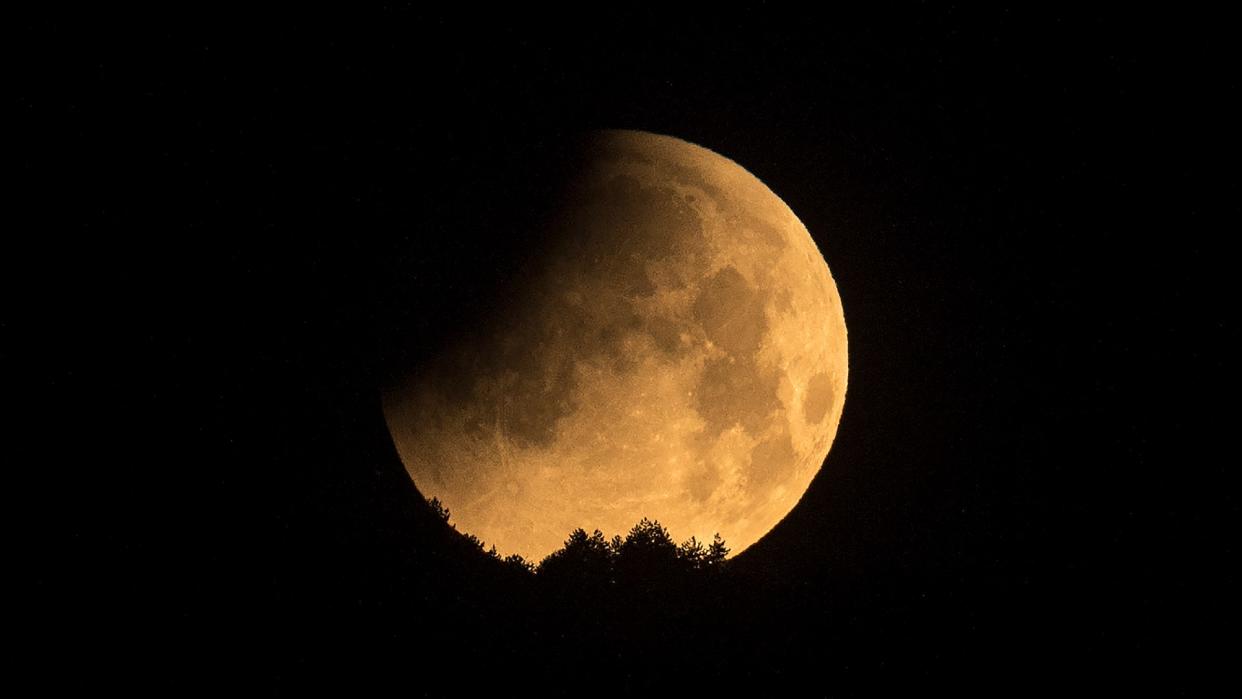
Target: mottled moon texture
pixel 678 354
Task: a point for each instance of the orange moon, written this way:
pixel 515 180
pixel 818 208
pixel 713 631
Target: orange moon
pixel 678 354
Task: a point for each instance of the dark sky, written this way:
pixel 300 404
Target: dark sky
pixel 225 230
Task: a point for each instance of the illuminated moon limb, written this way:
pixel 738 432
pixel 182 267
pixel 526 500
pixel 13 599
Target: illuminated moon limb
pixel 680 355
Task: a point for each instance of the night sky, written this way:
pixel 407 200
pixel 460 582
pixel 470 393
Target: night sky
pixel 227 232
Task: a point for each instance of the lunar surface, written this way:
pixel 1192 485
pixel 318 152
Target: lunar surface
pixel 678 354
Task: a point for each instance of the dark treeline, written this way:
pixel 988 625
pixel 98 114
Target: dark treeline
pixel 635 600
pixel 647 553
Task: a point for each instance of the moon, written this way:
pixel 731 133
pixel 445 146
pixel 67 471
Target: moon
pixel 677 353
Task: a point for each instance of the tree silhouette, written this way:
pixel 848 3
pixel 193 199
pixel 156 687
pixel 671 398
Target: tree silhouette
pixel 438 508
pixel 516 561
pixel 585 565
pixel 716 552
pixel 581 552
pixel 693 553
pixel 646 562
